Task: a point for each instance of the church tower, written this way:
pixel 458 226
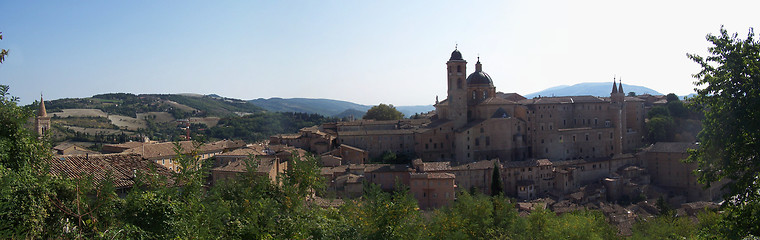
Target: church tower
pixel 42 121
pixel 456 69
pixel 617 101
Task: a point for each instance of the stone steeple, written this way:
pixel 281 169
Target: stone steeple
pixel 42 121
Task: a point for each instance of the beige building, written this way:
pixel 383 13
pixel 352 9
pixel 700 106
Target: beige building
pixel 164 153
pixel 432 190
pixel 267 166
pixel 664 161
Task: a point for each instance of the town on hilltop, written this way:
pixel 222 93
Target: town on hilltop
pixel 563 153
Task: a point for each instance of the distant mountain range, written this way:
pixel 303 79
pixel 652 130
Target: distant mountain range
pixel 338 108
pixel 592 88
pixel 328 107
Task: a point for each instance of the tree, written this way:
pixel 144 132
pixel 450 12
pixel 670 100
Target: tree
pixel 383 112
pixel 729 143
pixel 671 97
pixel 631 94
pixel 3 52
pixel 496 188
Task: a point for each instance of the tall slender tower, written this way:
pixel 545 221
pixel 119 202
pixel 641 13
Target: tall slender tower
pixel 456 69
pixel 617 100
pixel 42 121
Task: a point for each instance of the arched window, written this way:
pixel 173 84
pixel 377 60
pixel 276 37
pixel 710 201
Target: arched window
pixel 473 95
pixel 485 94
pixel 459 83
pixel 459 69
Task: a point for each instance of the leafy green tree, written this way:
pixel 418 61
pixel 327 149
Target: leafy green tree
pixel 730 139
pixel 672 97
pixel 383 112
pixel 631 94
pixel 660 129
pixel 381 215
pixel 24 185
pixel 658 111
pixel 476 217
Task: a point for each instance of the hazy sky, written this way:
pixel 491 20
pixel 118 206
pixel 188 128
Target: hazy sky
pixel 367 52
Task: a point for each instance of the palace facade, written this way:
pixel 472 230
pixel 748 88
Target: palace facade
pixel 475 122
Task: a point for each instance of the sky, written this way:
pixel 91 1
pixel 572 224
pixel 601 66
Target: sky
pixel 368 52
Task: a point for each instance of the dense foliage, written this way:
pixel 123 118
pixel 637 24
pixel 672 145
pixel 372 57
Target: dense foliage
pixel 383 112
pixel 673 122
pixel 260 126
pixel 729 144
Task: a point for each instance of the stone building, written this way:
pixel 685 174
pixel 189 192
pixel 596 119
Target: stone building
pixel 432 190
pixel 664 161
pixel 476 123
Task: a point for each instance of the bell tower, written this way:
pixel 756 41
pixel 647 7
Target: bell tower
pixel 42 121
pixel 456 69
pixel 617 101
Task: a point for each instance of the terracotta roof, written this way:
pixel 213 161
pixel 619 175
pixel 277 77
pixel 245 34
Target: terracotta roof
pixel 435 166
pixel 672 147
pixel 120 167
pixel 483 164
pixel 386 168
pixel 496 101
pixel 376 132
pixel 166 149
pixel 331 170
pixel 352 148
pixel 254 150
pixel 437 175
pixel 265 164
pixel 527 163
pixel 510 96
pixel 349 178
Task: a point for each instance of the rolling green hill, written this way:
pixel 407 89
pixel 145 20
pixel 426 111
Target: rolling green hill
pixel 328 107
pixel 180 106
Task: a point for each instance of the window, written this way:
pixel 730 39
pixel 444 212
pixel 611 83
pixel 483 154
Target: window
pixel 459 83
pixel 485 95
pixel 473 95
pixel 477 142
pixel 459 68
pixel 488 141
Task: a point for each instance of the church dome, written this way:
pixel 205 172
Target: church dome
pixel 479 77
pixel 456 55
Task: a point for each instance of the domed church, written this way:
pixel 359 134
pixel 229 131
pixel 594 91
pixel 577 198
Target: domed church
pixel 475 122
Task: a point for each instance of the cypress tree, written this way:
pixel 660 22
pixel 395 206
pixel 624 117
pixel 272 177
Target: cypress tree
pixel 496 180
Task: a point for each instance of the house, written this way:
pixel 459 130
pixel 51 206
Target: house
pixel 268 166
pixel 432 190
pixel 120 169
